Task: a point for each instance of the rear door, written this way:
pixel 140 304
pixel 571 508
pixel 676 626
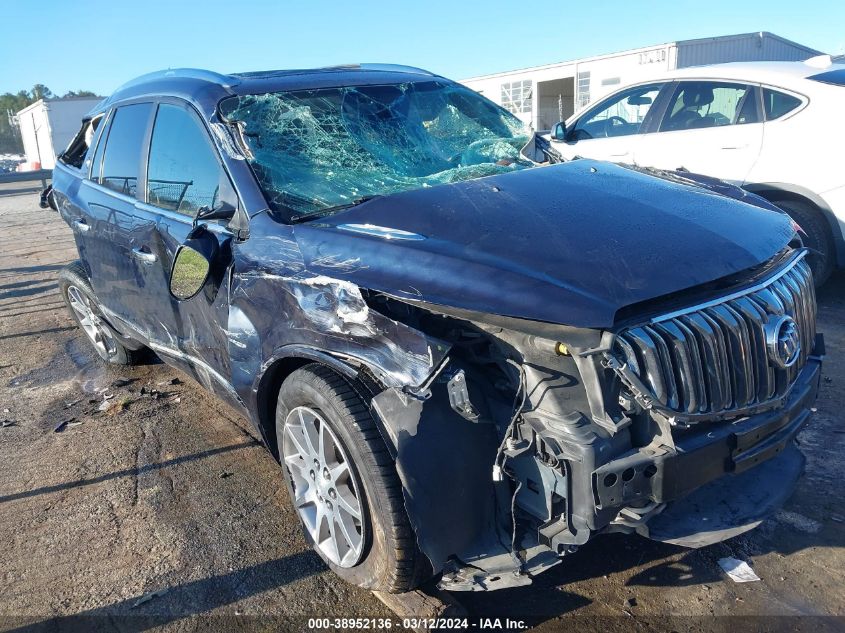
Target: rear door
pixel 111 227
pixel 184 174
pixel 709 127
pixel 611 129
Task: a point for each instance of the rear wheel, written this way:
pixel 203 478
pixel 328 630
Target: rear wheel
pixel 85 309
pixel 343 482
pixel 817 238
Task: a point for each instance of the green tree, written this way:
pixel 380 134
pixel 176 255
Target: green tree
pixel 40 91
pixel 78 93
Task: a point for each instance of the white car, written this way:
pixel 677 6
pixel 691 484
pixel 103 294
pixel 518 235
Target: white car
pixel 776 129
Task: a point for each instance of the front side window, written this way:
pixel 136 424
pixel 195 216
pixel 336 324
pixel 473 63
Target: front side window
pixel 122 158
pixel 620 115
pixel 183 173
pixel 314 151
pixel 703 104
pixel 776 104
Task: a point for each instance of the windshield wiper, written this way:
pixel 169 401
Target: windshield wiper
pixel 319 213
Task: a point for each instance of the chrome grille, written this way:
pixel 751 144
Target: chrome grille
pixel 713 357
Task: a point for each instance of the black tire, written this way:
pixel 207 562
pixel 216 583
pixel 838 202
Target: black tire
pixel 390 558
pixel 74 283
pixel 817 236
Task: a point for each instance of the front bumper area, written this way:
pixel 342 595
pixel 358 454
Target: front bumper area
pixel 722 478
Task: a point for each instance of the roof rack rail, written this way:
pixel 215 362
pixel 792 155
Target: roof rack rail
pixel 183 73
pixel 398 68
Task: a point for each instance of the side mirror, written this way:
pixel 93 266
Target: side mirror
pixel 192 264
pixel 559 132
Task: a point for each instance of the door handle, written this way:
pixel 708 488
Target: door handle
pixel 736 147
pixel 81 225
pixel 144 256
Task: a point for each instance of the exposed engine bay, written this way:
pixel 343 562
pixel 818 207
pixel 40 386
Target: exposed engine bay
pixel 562 441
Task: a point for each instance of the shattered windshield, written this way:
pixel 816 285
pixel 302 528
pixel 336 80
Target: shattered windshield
pixel 318 150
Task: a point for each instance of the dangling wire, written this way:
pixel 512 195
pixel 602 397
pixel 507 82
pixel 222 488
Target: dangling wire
pixel 498 466
pixel 521 390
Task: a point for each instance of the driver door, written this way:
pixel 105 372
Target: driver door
pixel 610 129
pixel 184 174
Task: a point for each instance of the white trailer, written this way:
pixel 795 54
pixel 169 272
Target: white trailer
pixel 48 126
pixel 544 95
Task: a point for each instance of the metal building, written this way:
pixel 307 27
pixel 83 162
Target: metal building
pixel 48 126
pixel 544 95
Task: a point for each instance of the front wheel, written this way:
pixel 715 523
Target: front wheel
pixel 343 482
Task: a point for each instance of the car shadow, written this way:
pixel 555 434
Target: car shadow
pixel 127 472
pixel 164 605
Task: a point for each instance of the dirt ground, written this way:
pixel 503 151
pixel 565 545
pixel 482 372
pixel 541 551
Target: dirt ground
pixel 160 506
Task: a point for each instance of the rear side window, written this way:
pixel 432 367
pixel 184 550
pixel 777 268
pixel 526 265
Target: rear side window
pixel 776 104
pixel 80 147
pixel 833 77
pixel 703 104
pixel 97 162
pixel 122 159
pixel 184 173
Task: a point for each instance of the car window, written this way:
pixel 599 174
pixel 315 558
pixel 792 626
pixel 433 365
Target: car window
pixel 703 104
pixel 184 173
pixel 620 115
pixel 834 77
pixel 81 147
pixel 97 162
pixel 776 104
pixel 122 157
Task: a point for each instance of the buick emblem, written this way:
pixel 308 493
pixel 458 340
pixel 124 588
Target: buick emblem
pixel 783 341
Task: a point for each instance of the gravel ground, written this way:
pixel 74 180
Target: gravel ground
pixel 163 506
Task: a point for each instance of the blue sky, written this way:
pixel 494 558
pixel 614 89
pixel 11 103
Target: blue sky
pixel 99 44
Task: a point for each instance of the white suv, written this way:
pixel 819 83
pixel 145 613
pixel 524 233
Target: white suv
pixel 774 128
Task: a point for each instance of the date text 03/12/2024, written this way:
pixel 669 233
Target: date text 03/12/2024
pixel 417 623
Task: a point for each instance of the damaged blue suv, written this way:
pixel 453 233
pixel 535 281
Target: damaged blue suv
pixel 468 356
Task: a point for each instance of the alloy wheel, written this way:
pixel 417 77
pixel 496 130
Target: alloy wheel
pixel 97 331
pixel 327 493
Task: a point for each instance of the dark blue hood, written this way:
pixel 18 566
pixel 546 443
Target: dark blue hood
pixel 569 244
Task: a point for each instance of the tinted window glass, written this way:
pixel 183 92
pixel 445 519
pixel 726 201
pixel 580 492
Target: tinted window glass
pixel 184 173
pixel 702 104
pixel 97 163
pixel 123 148
pixel 776 104
pixel 618 116
pixel 833 77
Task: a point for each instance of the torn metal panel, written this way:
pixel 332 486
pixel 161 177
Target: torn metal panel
pixel 291 306
pixel 332 315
